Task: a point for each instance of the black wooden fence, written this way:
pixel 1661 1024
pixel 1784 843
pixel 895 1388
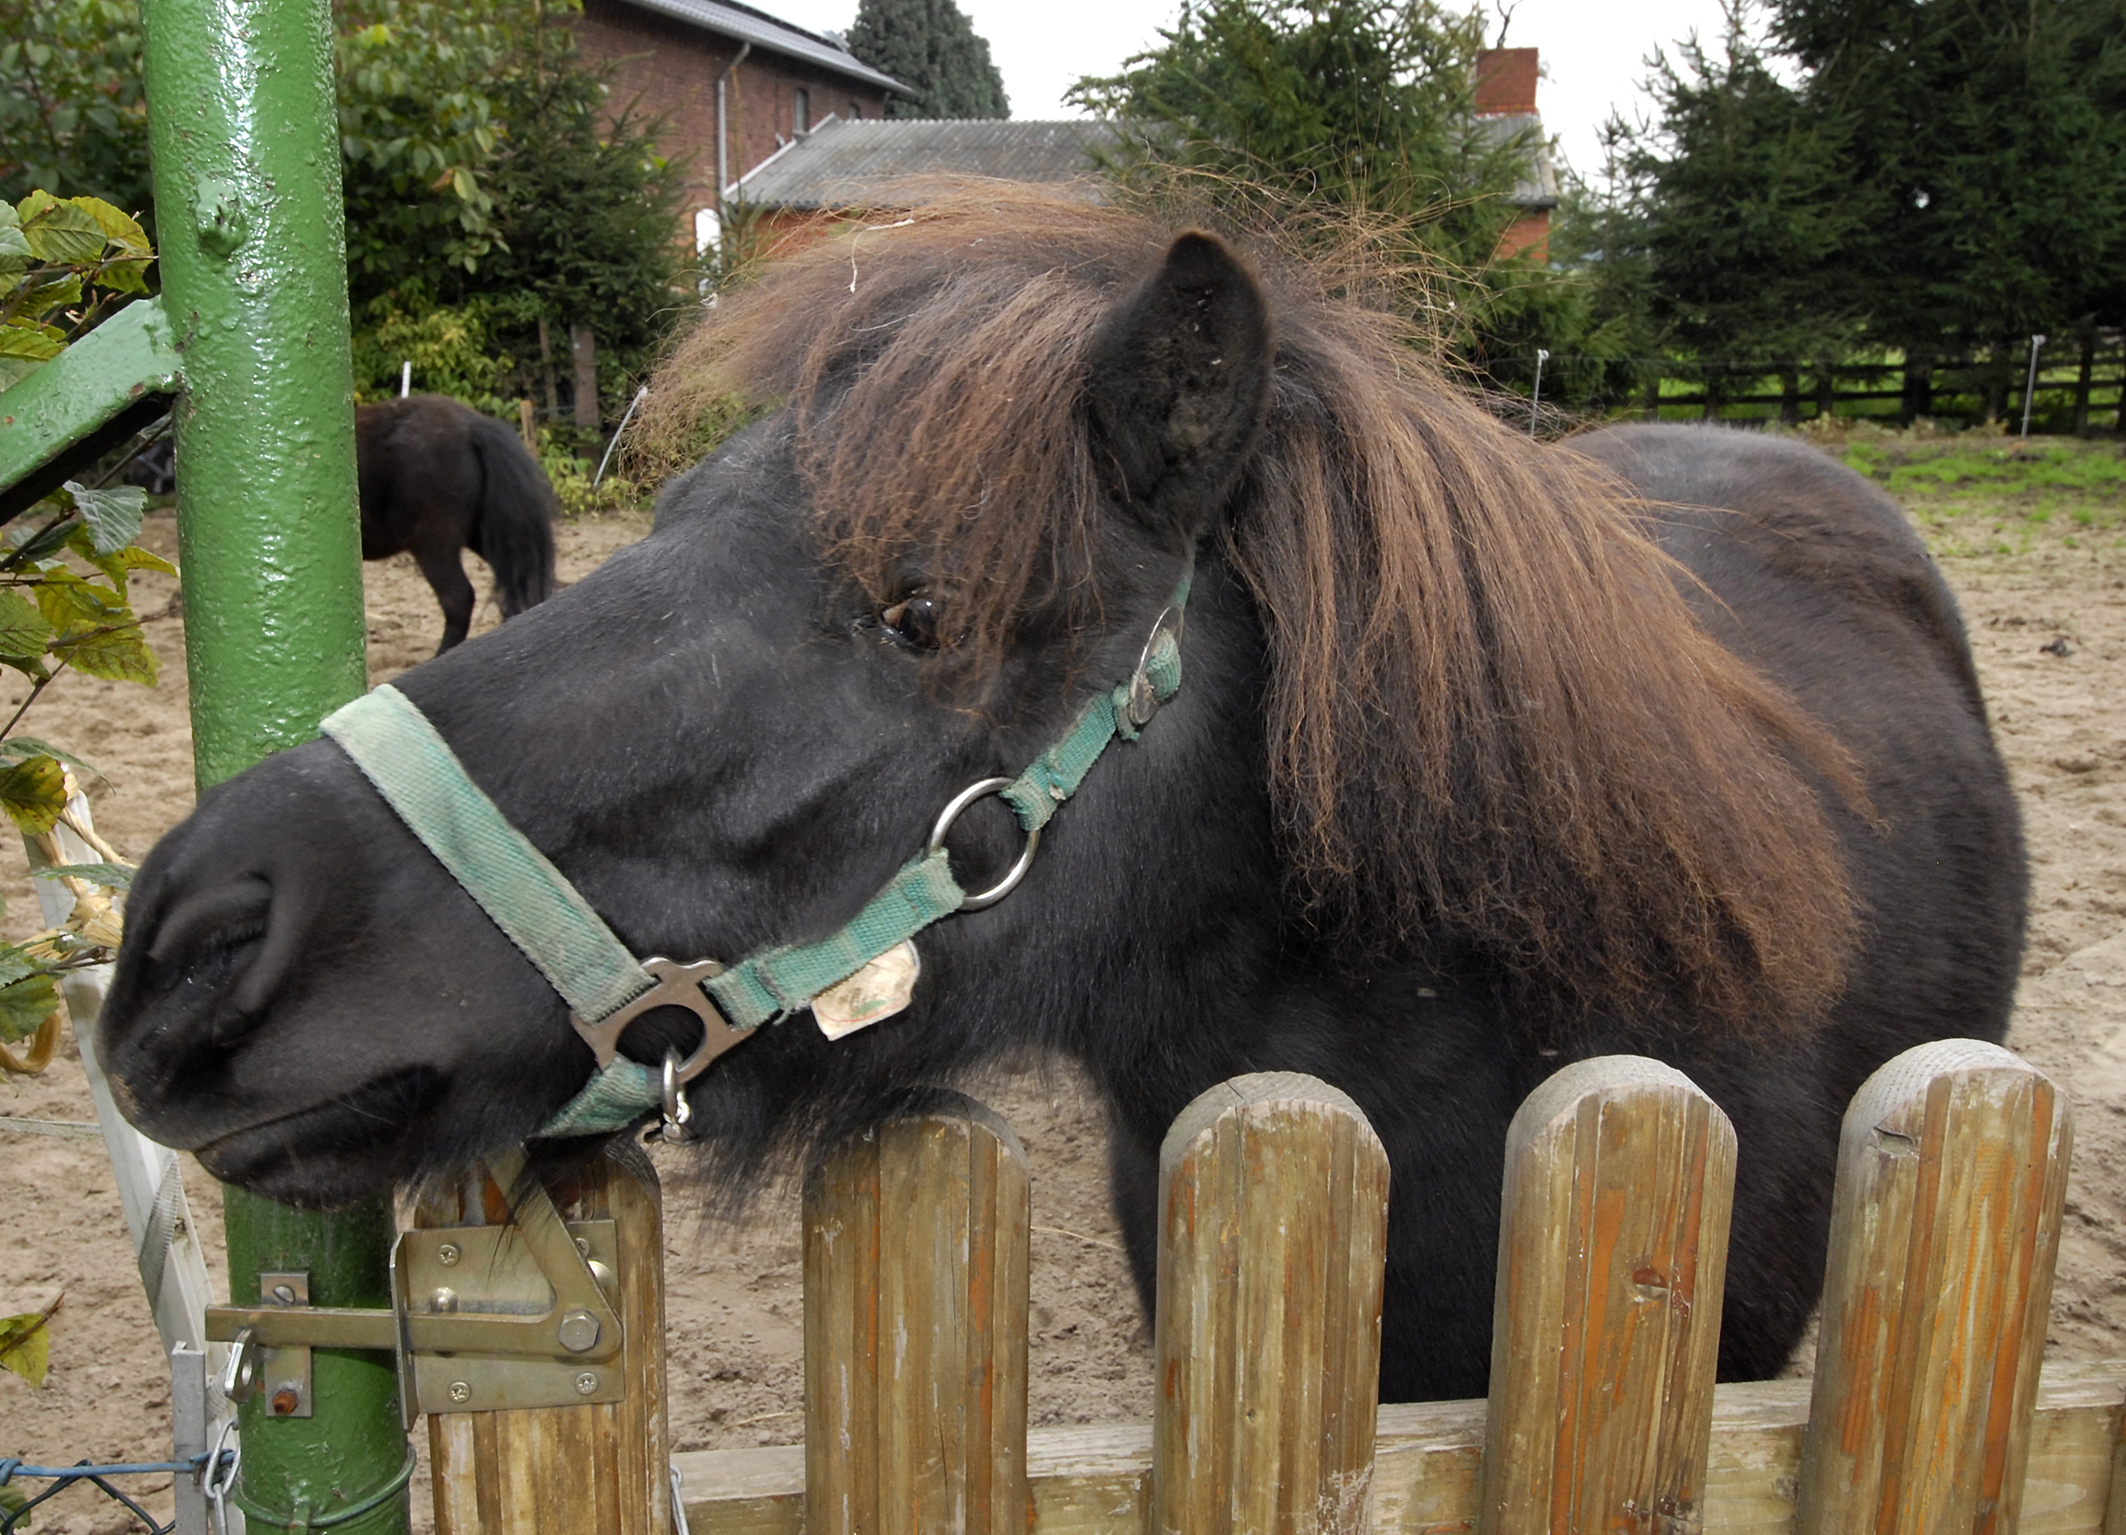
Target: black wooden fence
pixel 2080 388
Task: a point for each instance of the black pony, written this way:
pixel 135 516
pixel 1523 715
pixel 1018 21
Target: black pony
pixel 1486 756
pixel 438 477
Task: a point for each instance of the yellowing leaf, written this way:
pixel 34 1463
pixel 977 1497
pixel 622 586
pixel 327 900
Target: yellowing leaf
pixel 33 792
pixel 118 653
pixel 26 1343
pixel 120 228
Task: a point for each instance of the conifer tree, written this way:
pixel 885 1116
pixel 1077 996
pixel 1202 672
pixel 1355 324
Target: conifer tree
pixel 932 48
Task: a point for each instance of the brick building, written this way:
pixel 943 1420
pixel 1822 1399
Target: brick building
pixel 1505 105
pixel 733 84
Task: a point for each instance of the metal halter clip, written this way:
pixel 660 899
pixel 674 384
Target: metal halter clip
pixel 678 1123
pixel 677 986
pixel 1144 699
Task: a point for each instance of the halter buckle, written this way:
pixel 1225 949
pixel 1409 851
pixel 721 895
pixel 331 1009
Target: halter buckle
pixel 676 985
pixel 1143 701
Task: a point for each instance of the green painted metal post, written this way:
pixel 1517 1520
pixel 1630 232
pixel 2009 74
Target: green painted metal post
pixel 247 183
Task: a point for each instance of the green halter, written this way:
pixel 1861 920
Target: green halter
pixel 605 986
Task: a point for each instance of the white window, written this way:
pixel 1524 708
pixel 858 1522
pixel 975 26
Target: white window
pixel 708 230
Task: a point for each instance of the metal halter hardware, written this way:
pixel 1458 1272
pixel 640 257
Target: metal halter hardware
pixel 951 813
pixel 678 985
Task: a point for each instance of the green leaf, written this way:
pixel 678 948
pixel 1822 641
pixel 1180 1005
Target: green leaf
pixel 121 229
pixel 43 541
pixel 16 257
pixel 74 606
pixel 25 1004
pixel 60 231
pixel 129 276
pixel 13 1500
pixel 15 963
pixel 18 748
pixel 55 292
pixel 24 632
pixel 112 876
pixel 113 515
pixel 33 792
pixel 119 654
pixel 30 342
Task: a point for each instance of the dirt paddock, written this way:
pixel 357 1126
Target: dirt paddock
pixel 734 1301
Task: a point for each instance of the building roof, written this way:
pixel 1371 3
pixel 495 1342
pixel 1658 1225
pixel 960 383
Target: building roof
pixel 1537 187
pixel 747 25
pixel 832 164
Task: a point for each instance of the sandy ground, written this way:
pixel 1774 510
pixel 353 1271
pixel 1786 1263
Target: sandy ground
pixel 733 1294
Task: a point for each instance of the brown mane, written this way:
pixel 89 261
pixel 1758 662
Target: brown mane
pixel 1490 712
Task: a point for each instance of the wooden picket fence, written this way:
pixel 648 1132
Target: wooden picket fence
pixel 1928 1411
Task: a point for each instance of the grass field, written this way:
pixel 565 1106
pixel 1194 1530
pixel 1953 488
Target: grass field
pixel 1983 498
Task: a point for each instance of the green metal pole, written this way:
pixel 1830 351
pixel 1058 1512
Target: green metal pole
pixel 247 188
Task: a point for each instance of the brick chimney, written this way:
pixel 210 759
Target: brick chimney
pixel 1505 81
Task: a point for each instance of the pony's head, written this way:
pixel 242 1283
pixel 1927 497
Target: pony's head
pixel 1441 700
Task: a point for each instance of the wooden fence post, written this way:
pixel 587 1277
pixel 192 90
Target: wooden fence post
pixel 1612 1263
pixel 1274 1193
pixel 916 1251
pixel 1952 1171
pixel 598 1469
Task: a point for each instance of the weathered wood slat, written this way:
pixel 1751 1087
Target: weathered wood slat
pixel 590 1470
pixel 1612 1259
pixel 1952 1171
pixel 1428 1468
pixel 1275 1198
pixel 916 1260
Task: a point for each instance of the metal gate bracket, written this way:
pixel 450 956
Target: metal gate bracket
pixel 482 1318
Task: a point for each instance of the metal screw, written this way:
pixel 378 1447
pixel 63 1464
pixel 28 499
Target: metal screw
pixel 444 1299
pixel 460 1392
pixel 447 1254
pixel 583 1246
pixel 284 1294
pixel 579 1331
pixel 287 1396
pixel 586 1383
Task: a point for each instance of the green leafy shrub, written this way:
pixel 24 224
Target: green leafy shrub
pixel 65 598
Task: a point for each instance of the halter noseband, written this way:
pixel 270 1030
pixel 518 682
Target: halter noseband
pixel 607 988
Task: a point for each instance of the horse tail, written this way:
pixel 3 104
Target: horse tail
pixel 514 531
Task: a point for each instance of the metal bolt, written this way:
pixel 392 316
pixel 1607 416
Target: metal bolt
pixel 284 1294
pixel 579 1331
pixel 287 1396
pixel 586 1383
pixel 444 1299
pixel 583 1246
pixel 447 1254
pixel 460 1392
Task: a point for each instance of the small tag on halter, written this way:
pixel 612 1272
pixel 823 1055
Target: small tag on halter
pixel 879 990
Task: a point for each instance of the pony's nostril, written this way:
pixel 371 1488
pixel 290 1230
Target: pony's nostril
pixel 231 936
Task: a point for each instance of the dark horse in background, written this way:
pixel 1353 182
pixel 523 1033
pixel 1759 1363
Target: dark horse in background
pixel 1488 755
pixel 439 477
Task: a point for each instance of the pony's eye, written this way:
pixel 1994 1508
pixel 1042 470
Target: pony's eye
pixel 917 620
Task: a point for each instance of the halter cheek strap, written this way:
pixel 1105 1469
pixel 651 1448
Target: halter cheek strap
pixel 605 985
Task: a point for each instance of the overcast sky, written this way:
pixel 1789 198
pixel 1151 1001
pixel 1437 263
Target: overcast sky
pixel 1593 50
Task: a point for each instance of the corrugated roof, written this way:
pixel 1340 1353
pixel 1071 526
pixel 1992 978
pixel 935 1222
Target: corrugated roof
pixel 1539 187
pixel 764 31
pixel 832 164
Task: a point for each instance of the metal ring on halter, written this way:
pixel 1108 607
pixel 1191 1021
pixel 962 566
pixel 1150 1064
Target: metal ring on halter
pixel 951 813
pixel 1143 699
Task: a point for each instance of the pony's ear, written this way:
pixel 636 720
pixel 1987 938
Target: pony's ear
pixel 1180 372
